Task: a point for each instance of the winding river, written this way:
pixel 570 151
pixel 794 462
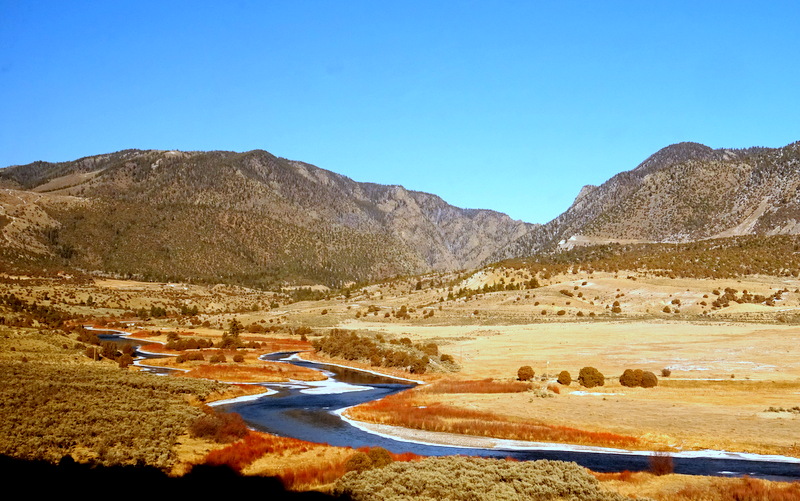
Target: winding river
pixel 311 411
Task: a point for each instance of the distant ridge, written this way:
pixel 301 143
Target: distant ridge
pixel 257 219
pixel 248 217
pixel 682 193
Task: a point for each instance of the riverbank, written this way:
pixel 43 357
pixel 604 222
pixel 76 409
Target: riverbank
pixel 659 442
pixel 475 442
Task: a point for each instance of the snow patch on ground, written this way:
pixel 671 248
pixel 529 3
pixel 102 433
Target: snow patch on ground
pixel 330 386
pixel 246 398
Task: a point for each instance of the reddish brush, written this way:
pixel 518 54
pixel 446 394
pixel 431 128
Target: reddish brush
pixel 554 388
pixel 622 476
pixel 328 472
pixel 240 454
pixel 313 475
pixel 744 489
pixel 406 456
pixel 661 464
pixel 402 410
pixel 477 386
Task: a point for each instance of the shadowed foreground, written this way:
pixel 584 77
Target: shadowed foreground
pixel 124 481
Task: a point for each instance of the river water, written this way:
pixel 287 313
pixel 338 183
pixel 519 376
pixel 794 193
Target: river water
pixel 310 411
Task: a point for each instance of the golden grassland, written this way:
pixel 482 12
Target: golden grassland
pixel 413 410
pixel 687 410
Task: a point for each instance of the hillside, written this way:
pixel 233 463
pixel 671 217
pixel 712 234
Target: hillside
pixel 238 217
pixel 684 192
pixel 257 219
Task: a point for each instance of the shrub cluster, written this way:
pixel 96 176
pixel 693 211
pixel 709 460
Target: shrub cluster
pixel 564 378
pixel 401 353
pixel 376 457
pixel 730 295
pixel 633 378
pixel 525 373
pixel 182 344
pixel 53 406
pixel 590 377
pixel 193 356
pixel 45 315
pixel 458 478
pixel 223 428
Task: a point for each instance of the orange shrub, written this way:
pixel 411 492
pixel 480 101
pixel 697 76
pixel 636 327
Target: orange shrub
pixel 743 489
pixel 477 386
pixel 312 475
pixel 240 454
pixel 622 476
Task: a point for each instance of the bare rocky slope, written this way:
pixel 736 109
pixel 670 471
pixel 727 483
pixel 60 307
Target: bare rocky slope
pixel 684 192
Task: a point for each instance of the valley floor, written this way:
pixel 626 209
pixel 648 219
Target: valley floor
pixel 734 380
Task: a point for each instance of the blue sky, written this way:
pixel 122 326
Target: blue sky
pixel 511 106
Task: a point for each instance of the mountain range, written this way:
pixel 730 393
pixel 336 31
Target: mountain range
pixel 261 220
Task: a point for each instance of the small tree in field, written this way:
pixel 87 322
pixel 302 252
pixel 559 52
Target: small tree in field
pixel 124 361
pixel 590 377
pixel 525 373
pixel 649 379
pixel 564 378
pixel 631 378
pixel 230 338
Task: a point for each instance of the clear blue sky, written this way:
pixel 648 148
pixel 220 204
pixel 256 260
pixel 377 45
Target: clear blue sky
pixel 510 106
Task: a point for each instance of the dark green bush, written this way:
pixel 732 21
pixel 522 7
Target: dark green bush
pixel 525 373
pixel 358 462
pixel 649 380
pixel 631 378
pixel 220 427
pixel 380 457
pixel 125 360
pixel 590 377
pixel 564 378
